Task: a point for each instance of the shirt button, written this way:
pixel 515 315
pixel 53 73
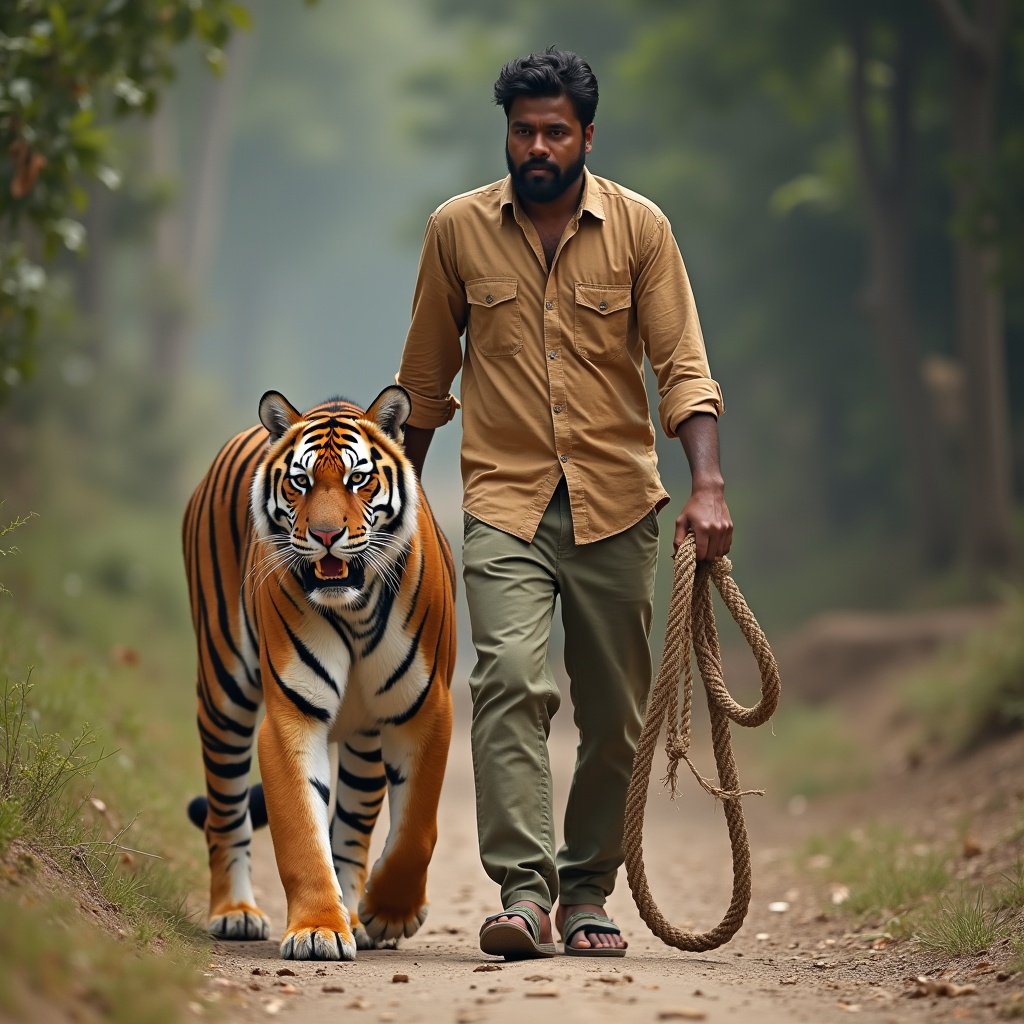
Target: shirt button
pixel 488 298
pixel 564 458
pixel 601 305
pixel 558 408
pixel 549 305
pixel 552 354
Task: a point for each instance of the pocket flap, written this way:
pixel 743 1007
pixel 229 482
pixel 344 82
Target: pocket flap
pixel 489 291
pixel 604 298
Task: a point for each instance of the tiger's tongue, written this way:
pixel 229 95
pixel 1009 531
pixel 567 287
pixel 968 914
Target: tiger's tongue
pixel 331 568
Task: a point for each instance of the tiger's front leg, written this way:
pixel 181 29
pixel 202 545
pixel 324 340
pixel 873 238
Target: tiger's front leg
pixel 394 902
pixel 295 768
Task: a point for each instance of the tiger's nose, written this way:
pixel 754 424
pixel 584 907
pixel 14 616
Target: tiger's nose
pixel 326 537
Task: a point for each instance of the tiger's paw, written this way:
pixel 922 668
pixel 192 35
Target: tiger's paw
pixel 386 924
pixel 242 922
pixel 318 944
pixel 363 941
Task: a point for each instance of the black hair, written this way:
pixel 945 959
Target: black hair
pixel 551 73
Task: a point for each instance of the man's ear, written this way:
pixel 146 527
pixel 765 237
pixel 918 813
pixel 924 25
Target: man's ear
pixel 277 414
pixel 390 410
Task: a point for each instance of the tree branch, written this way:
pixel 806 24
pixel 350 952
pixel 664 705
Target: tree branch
pixel 864 141
pixel 962 30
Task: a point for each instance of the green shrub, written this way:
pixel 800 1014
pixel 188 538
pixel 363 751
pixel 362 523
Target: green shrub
pixel 974 691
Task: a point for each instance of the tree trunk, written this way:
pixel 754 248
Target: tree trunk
pixel 888 298
pixel 186 240
pixel 977 49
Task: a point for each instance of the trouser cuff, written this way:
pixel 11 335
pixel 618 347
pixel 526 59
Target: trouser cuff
pixel 542 901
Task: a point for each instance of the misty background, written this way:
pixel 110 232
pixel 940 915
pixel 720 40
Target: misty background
pixel 266 230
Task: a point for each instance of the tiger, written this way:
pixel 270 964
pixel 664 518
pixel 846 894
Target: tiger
pixel 321 587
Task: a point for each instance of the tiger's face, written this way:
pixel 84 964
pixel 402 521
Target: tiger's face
pixel 335 497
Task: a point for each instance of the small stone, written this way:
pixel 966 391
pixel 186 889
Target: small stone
pixel 258 970
pixel 486 967
pixel 284 972
pixel 971 848
pixel 542 993
pixel 333 988
pixel 400 979
pixel 682 1013
pixel 287 989
pixel 778 907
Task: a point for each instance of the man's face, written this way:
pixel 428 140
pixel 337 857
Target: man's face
pixel 546 146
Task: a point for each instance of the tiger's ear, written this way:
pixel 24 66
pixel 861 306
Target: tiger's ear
pixel 390 409
pixel 277 414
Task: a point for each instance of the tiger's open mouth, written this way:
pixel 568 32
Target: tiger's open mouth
pixel 330 568
pixel 331 571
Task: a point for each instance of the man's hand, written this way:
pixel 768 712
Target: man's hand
pixel 706 513
pixel 707 516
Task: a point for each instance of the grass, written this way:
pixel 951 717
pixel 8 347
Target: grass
pixel 894 881
pixel 974 691
pixel 808 751
pixel 886 873
pixel 46 947
pixel 97 860
pixel 959 924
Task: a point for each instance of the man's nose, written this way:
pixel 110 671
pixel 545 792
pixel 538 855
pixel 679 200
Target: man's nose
pixel 538 147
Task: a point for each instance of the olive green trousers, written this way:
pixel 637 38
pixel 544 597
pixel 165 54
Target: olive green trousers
pixel 606 593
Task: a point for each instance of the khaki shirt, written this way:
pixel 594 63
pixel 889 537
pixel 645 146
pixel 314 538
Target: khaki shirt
pixel 553 369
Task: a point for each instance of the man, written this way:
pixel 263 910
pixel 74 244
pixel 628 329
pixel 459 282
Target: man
pixel 561 281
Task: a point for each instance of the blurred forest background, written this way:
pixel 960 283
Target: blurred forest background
pixel 845 179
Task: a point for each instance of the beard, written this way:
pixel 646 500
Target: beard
pixel 548 189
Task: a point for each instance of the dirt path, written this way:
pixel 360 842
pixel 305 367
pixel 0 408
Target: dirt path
pixel 782 967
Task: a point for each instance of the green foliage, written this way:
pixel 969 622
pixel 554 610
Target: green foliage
pixel 974 691
pixel 886 873
pixel 4 531
pixel 36 770
pixel 809 752
pixel 68 67
pixel 959 924
pixel 49 954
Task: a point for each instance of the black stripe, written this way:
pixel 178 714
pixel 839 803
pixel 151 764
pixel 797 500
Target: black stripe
pixel 359 783
pixel 322 789
pixel 321 714
pixel 232 770
pixel 229 827
pixel 354 821
pixel 407 661
pixel 370 756
pixel 394 776
pixel 306 655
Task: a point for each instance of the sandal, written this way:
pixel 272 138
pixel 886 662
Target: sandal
pixel 588 921
pixel 503 938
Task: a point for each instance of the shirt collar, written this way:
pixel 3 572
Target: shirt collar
pixel 590 203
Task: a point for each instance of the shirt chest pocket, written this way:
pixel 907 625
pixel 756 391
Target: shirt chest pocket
pixel 494 327
pixel 602 320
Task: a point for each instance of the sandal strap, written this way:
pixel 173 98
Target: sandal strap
pixel 528 914
pixel 587 920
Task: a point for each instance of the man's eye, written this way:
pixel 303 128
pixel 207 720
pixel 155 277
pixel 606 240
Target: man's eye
pixel 301 481
pixel 355 479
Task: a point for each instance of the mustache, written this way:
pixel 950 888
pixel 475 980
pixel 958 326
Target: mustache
pixel 542 165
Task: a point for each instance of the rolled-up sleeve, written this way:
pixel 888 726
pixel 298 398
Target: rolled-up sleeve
pixel 668 324
pixel 433 352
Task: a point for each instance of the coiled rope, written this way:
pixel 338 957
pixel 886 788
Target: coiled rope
pixel 691 624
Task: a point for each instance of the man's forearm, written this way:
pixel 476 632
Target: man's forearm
pixel 706 514
pixel 417 441
pixel 699 435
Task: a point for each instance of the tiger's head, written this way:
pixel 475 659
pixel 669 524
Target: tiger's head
pixel 335 497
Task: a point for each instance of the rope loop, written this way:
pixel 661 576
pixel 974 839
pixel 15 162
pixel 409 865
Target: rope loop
pixel 691 627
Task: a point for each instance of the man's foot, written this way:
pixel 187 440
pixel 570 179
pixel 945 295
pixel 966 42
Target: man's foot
pixel 593 936
pixel 521 932
pixel 543 917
